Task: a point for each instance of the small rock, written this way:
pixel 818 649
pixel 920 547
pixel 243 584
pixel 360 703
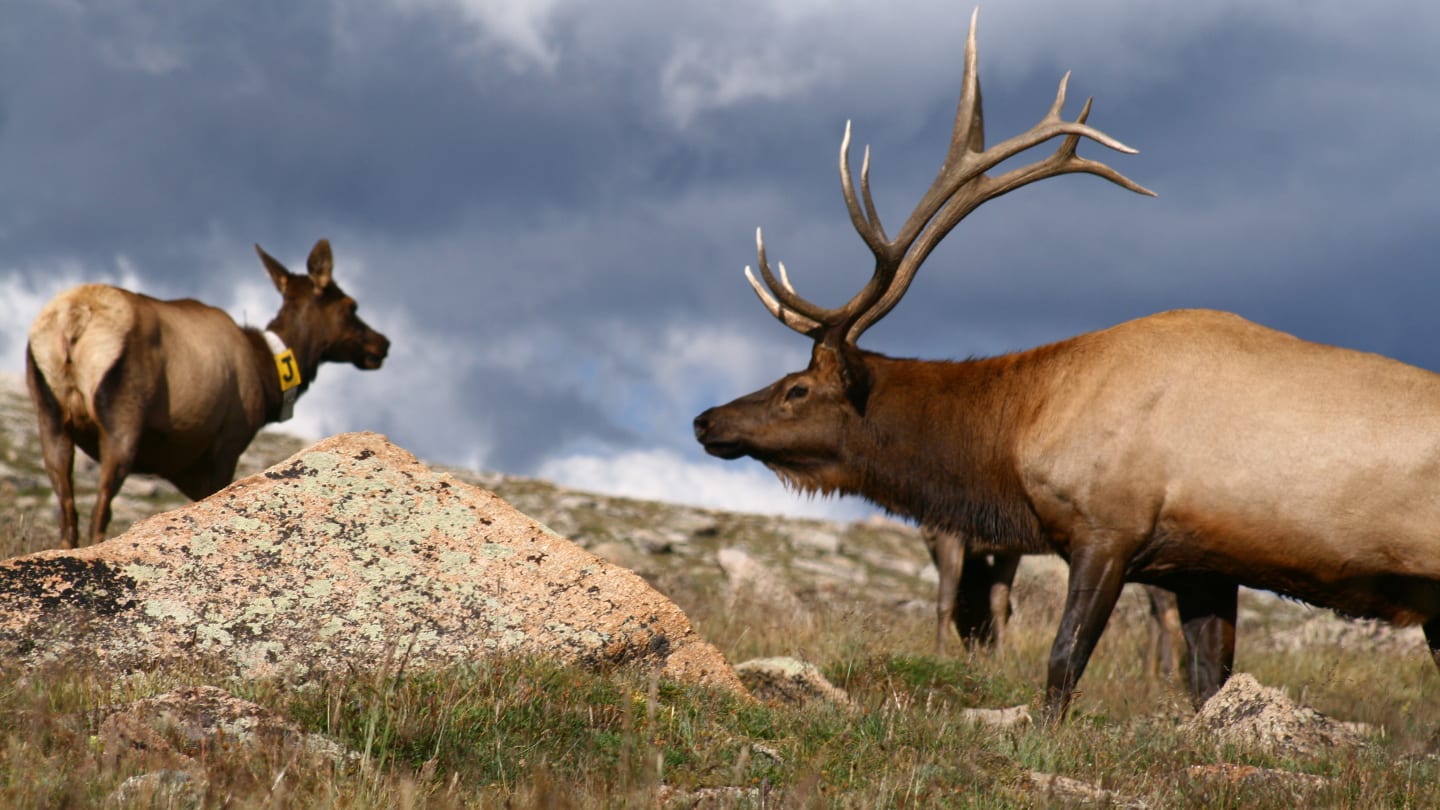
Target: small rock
pixel 145 486
pixel 653 541
pixel 1013 717
pixel 790 681
pixel 694 523
pixel 836 569
pixel 1245 713
pixel 159 789
pixel 751 583
pixel 178 726
pixel 621 554
pixel 814 540
pixel 1252 776
pixel 670 797
pixel 1069 790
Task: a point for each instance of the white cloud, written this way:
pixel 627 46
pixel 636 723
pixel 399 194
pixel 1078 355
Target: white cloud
pixel 521 27
pixel 666 476
pixel 701 76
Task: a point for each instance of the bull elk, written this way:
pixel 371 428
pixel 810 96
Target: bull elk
pixel 177 388
pixel 1191 449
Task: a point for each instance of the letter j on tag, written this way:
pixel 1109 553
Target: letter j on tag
pixel 289 372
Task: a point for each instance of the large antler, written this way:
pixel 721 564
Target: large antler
pixel 959 188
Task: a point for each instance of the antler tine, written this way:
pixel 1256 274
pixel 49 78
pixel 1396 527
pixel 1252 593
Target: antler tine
pixel 789 317
pixel 866 222
pixel 962 184
pixel 1068 146
pixel 781 299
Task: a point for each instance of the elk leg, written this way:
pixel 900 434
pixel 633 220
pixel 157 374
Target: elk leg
pixel 1207 608
pixel 58 450
pixel 1096 578
pixel 1432 638
pixel 1167 636
pixel 948 553
pixel 117 457
pixel 1002 582
pixel 120 428
pixel 973 618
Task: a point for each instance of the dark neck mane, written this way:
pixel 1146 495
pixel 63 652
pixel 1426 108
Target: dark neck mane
pixel 937 444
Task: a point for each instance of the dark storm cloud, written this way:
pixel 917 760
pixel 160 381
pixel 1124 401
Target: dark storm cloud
pixel 577 185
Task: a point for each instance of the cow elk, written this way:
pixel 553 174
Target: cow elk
pixel 1191 449
pixel 177 388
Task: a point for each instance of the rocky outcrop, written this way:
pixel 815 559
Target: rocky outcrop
pixel 349 553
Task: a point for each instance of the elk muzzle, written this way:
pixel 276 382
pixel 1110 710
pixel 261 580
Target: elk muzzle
pixel 374 349
pixel 711 431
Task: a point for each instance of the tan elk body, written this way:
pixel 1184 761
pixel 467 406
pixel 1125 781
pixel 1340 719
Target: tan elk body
pixel 176 388
pixel 1193 449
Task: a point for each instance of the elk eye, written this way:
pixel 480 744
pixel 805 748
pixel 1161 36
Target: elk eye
pixel 799 391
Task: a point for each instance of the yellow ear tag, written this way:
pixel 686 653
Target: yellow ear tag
pixel 289 371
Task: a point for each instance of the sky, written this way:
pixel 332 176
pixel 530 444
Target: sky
pixel 547 205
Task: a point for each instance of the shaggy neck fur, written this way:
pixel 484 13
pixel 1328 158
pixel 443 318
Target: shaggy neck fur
pixel 937 443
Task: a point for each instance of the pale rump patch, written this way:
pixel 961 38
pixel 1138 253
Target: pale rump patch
pixel 77 338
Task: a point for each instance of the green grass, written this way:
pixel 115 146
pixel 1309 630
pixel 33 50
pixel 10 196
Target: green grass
pixel 530 733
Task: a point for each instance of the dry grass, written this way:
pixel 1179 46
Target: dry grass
pixel 530 734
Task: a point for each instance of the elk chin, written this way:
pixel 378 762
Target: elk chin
pixel 728 450
pixel 810 479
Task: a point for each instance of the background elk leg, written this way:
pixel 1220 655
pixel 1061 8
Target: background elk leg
pixel 1002 580
pixel 1432 639
pixel 1207 612
pixel 1096 578
pixel 1166 652
pixel 947 551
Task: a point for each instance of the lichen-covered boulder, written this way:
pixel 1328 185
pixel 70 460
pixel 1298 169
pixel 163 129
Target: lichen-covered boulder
pixel 350 553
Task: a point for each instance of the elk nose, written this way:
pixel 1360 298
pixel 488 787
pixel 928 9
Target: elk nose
pixel 702 425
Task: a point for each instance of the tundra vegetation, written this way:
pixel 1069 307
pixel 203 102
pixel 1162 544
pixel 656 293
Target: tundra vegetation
pixel 526 733
pixel 1191 450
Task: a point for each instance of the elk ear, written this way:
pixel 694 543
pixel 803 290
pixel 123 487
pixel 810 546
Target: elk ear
pixel 279 276
pixel 320 264
pixel 846 364
pixel 855 376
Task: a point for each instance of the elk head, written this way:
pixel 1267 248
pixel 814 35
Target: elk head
pixel 318 320
pixel 799 425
